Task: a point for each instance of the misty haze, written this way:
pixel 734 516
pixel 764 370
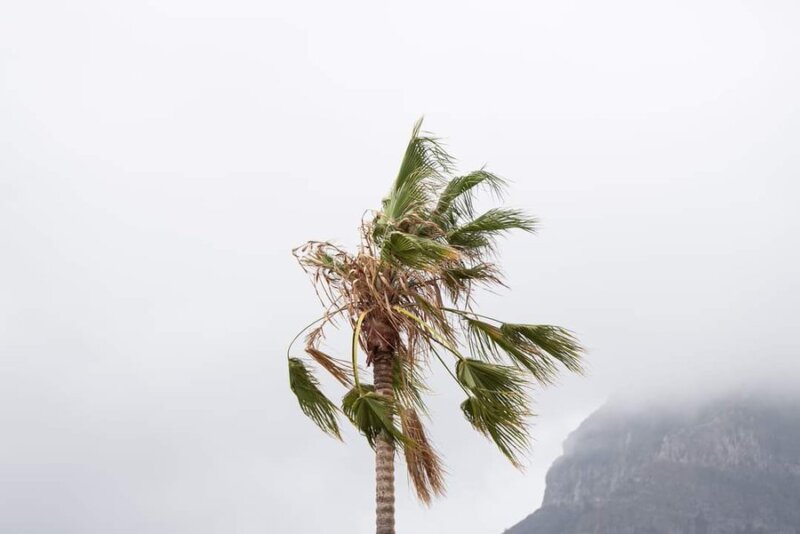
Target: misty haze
pixel 161 160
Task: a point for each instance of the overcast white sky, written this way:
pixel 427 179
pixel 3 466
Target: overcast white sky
pixel 158 161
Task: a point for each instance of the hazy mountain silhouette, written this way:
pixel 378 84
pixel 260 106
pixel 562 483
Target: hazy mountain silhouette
pixel 727 466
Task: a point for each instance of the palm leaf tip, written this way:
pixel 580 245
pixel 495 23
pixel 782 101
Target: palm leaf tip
pixel 314 404
pixel 422 461
pixel 422 170
pixel 456 200
pixel 492 224
pixel 487 378
pixel 371 413
pixel 424 154
pixel 554 341
pixel 504 425
pixel 537 348
pixel 497 406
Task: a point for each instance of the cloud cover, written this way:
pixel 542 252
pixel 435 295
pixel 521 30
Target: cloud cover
pixel 159 160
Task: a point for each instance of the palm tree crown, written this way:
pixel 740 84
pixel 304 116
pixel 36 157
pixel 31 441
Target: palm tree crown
pixel 408 292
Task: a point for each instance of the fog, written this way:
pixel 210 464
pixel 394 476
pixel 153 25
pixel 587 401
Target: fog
pixel 159 160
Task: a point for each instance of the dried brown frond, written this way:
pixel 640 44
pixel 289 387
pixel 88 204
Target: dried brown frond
pixel 365 281
pixel 422 461
pixel 337 368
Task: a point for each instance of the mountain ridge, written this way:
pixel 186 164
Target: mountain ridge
pixel 730 465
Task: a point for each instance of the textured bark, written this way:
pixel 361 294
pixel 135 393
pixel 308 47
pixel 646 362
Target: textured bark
pixel 384 451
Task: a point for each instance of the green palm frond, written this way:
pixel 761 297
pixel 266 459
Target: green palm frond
pixel 498 406
pixel 488 340
pixel 459 278
pixel 481 272
pixel 504 425
pixel 312 401
pixel 371 413
pixel 456 200
pixel 416 252
pixel 484 229
pixel 424 157
pixel 537 348
pixel 554 341
pixel 422 461
pixel 485 378
pixel 423 169
pixel 412 196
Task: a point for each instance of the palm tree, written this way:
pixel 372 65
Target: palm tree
pixel 407 293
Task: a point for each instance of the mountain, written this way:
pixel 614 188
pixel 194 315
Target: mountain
pixel 727 466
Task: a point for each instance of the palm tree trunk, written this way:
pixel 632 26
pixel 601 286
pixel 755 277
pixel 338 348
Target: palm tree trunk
pixel 384 451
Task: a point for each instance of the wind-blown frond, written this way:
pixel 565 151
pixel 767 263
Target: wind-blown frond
pixel 488 340
pixel 456 199
pixel 424 155
pixel 504 425
pixel 424 166
pixel 422 461
pixel 492 379
pixel 416 252
pixel 537 348
pixel 497 406
pixel 459 278
pixel 371 413
pixel 312 401
pixel 557 342
pixel 414 195
pixel 336 368
pixel 481 231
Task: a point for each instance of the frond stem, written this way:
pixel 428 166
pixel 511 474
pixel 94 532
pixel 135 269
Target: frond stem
pixel 309 325
pixel 449 371
pixel 431 331
pixel 465 312
pixel 356 335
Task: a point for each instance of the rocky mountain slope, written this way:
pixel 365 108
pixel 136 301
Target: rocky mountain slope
pixel 729 466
